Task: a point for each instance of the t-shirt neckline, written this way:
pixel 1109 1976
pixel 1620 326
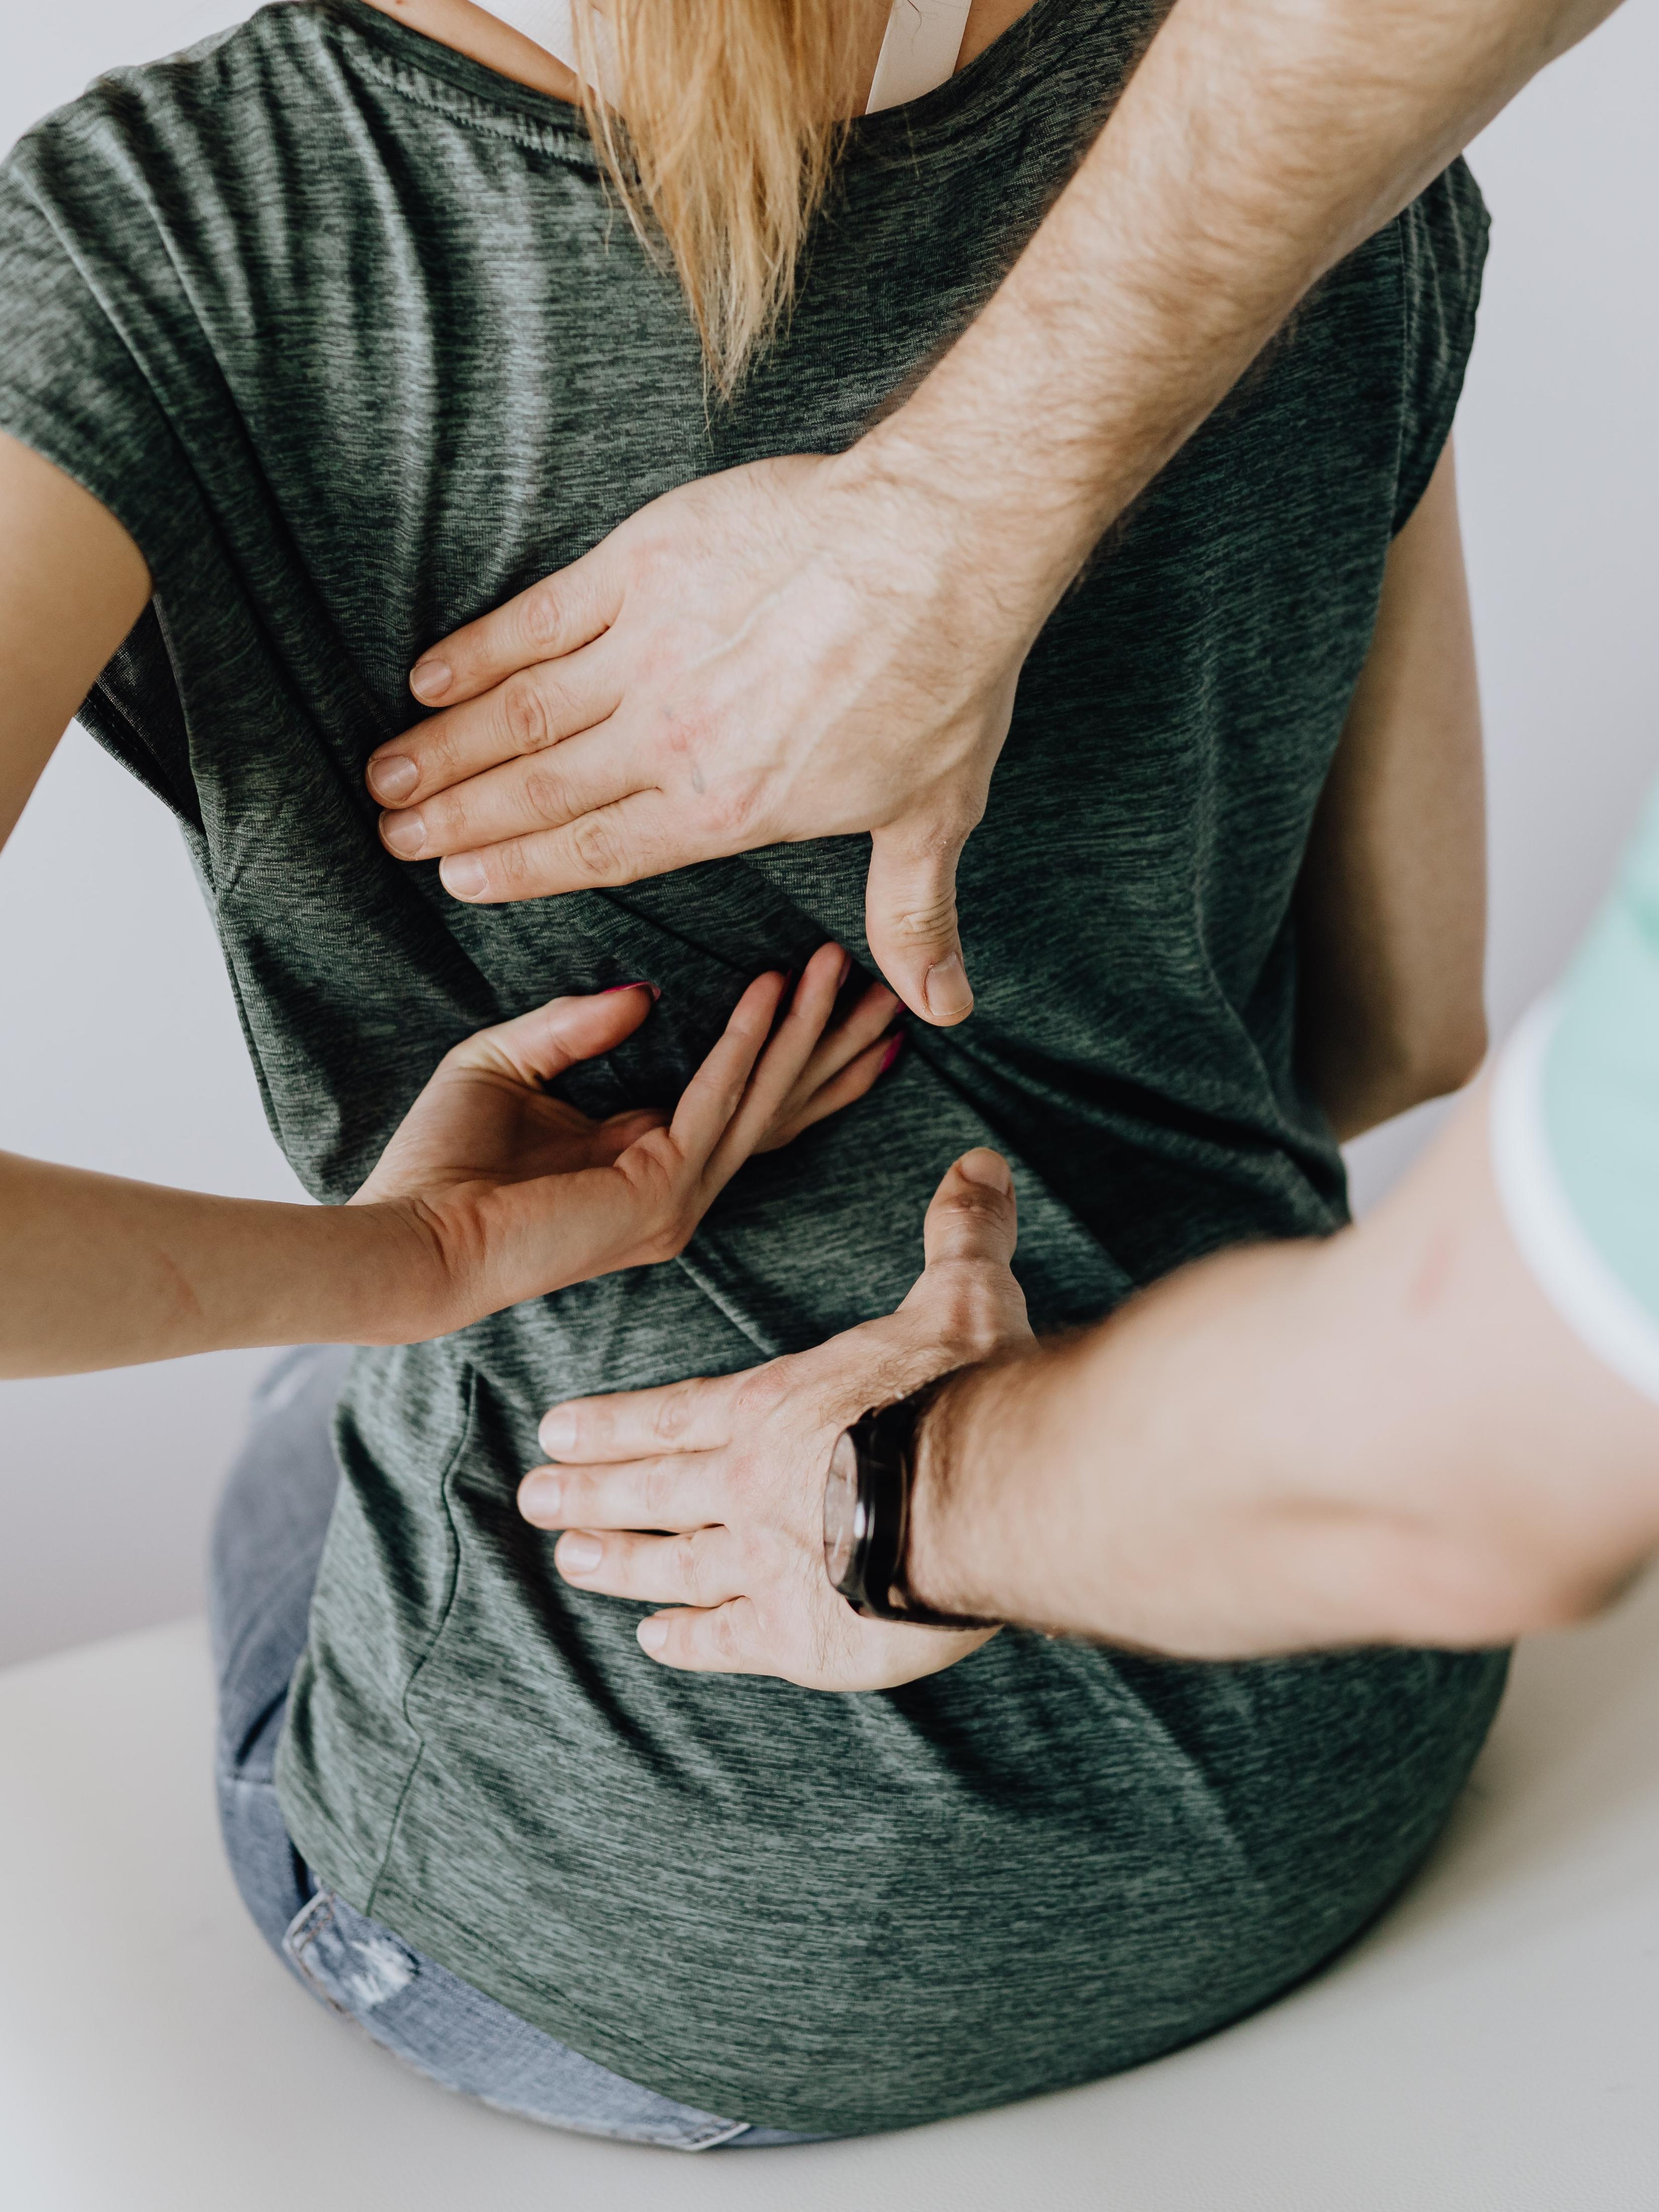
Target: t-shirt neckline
pixel 939 116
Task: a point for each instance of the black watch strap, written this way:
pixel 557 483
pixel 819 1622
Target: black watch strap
pixel 875 1580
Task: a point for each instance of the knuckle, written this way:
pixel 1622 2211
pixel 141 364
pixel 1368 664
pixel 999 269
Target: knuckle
pixel 547 794
pixel 725 1633
pixel 929 919
pixel 672 1419
pixel 524 717
pixel 593 846
pixel 541 615
pixel 506 867
pixel 731 811
pixel 760 1394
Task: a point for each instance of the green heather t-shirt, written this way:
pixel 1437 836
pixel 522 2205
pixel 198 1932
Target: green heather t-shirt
pixel 342 327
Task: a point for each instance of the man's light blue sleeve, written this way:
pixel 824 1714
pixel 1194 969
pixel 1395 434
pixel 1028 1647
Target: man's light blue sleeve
pixel 1575 1127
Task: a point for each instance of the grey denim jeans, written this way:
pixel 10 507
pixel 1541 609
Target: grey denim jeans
pixel 266 1547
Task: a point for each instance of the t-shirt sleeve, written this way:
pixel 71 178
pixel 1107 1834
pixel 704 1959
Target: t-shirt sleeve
pixel 1575 1128
pixel 1442 243
pixel 70 386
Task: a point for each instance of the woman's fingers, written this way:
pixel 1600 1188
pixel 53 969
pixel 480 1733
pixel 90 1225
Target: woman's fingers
pixel 846 1088
pixel 699 1567
pixel 843 1065
pixel 712 1099
pixel 781 1065
pixel 533 1048
pixel 555 617
pixel 676 1493
pixel 679 1417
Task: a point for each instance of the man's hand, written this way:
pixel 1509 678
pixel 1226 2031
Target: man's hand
pixel 509 1193
pixel 800 648
pixel 732 1471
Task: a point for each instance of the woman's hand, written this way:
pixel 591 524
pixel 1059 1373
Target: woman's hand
pixel 734 1470
pixel 804 648
pixel 511 1193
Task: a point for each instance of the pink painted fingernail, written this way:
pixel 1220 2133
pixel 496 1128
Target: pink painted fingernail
pixel 891 1053
pixel 652 1633
pixel 578 1555
pixel 463 875
pixel 558 1431
pixel 392 777
pixel 404 834
pixel 610 989
pixel 430 679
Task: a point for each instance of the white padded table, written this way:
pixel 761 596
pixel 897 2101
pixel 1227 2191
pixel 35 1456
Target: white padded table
pixel 1494 2045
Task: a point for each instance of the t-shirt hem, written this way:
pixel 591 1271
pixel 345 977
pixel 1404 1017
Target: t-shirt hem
pixel 460 1951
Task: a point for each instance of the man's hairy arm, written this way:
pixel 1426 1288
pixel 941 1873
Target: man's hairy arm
pixel 1390 1436
pixel 823 646
pixel 1254 146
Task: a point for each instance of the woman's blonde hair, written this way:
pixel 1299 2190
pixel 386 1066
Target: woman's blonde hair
pixel 731 120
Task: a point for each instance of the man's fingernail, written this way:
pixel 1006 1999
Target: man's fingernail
pixel 540 1497
pixel 895 1046
pixel 846 970
pixel 652 1633
pixel 947 992
pixel 988 1169
pixel 430 679
pixel 463 875
pixel 579 1555
pixel 642 985
pixel 392 777
pixel 404 834
pixel 558 1431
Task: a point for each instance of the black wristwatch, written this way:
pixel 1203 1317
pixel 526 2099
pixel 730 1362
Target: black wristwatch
pixel 866 1514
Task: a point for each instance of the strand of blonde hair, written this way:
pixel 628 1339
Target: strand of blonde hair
pixel 731 118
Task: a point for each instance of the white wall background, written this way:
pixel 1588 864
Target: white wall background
pixel 121 1050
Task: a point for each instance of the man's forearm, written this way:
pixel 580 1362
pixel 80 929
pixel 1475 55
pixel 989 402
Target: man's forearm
pixel 1389 1438
pixel 97 1272
pixel 1258 141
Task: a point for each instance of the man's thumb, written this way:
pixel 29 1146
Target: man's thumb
pixel 910 919
pixel 973 1215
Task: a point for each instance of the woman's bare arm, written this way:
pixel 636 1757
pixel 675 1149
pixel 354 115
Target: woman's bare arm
pixel 72 584
pixel 490 1191
pixel 1392 904
pixel 95 1271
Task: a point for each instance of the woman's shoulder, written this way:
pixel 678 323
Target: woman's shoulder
pixel 132 125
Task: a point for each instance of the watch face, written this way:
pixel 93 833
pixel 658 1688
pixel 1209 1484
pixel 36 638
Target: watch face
pixel 842 1519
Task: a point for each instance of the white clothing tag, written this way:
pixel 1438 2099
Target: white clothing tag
pixel 918 54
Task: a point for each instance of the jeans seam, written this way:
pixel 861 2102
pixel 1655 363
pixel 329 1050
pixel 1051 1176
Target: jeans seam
pixel 318 1914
